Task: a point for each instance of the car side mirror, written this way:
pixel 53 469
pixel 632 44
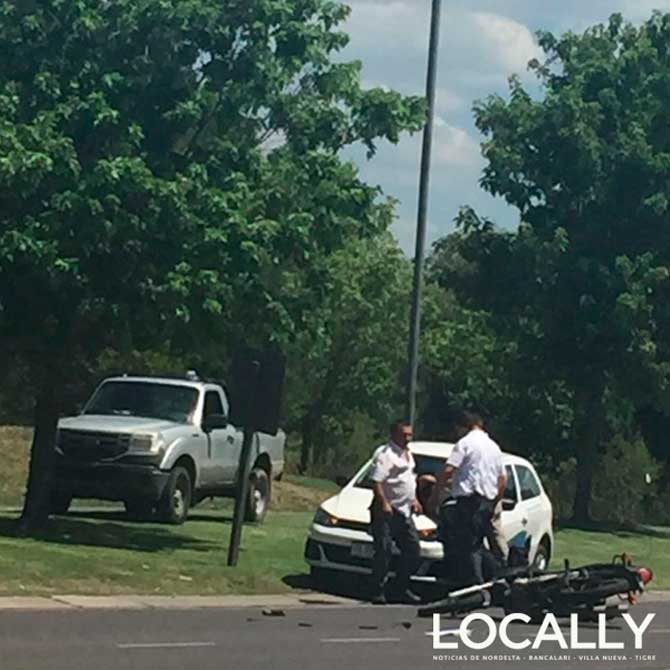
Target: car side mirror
pixel 341 481
pixel 508 504
pixel 214 422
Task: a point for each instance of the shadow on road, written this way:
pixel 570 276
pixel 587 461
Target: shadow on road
pixel 342 584
pixel 100 529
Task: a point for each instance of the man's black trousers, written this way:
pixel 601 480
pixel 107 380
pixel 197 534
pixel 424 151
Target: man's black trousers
pixel 387 529
pixel 471 525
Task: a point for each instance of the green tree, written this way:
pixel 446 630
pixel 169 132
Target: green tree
pixel 169 170
pixel 582 285
pixel 347 360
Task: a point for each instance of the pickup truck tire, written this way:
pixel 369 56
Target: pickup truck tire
pixel 176 500
pixel 60 502
pixel 258 499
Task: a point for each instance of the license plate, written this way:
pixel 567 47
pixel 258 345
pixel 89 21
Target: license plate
pixel 362 550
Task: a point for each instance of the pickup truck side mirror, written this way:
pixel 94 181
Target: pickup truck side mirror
pixel 214 422
pixel 341 480
pixel 508 504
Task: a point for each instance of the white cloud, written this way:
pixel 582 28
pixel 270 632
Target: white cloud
pixel 640 10
pixel 454 146
pixel 448 99
pixel 510 43
pixel 482 42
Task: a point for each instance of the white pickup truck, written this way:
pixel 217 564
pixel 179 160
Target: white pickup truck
pixel 160 445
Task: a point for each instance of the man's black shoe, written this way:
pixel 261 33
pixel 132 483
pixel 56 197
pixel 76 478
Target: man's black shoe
pixel 379 599
pixel 410 598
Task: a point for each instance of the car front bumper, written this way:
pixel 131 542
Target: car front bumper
pixel 332 548
pixel 110 481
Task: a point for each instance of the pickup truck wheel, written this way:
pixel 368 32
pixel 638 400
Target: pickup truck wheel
pixel 138 509
pixel 60 502
pixel 258 499
pixel 176 501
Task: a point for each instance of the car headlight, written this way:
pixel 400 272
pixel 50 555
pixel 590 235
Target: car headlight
pixel 144 443
pixel 322 518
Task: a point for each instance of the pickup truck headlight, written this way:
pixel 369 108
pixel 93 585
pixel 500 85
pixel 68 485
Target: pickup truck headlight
pixel 143 443
pixel 322 518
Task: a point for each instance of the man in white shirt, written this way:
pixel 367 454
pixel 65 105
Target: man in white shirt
pixel 394 502
pixel 476 469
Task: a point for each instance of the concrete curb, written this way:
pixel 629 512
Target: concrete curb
pixel 148 602
pixel 139 602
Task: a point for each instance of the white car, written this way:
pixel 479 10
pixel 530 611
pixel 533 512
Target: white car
pixel 340 540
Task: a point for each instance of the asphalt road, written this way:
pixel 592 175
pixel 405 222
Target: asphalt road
pixel 342 638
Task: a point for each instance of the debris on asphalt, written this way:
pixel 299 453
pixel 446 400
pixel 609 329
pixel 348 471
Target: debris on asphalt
pixel 406 624
pixel 304 624
pixel 368 627
pixel 273 612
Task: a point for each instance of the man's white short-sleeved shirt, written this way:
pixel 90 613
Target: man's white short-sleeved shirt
pixel 393 468
pixel 478 462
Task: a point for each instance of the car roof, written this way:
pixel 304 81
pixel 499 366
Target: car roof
pixel 435 449
pixel 443 449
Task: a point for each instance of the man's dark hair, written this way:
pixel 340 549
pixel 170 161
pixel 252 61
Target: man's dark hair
pixel 397 424
pixel 469 419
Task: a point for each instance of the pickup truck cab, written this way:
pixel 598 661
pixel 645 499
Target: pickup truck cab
pixel 160 445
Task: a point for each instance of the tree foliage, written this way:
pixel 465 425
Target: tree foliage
pixel 346 363
pixel 581 287
pixel 169 171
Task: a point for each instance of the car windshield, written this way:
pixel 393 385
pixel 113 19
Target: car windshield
pixel 146 399
pixel 425 465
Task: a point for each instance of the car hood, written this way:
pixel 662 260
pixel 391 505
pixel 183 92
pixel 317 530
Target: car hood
pixel 353 504
pixel 117 424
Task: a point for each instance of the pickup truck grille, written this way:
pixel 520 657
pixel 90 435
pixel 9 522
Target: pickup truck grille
pixel 86 446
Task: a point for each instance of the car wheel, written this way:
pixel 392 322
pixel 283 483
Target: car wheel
pixel 541 559
pixel 138 509
pixel 176 500
pixel 60 502
pixel 258 498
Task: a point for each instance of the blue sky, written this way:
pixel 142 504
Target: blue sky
pixel 482 43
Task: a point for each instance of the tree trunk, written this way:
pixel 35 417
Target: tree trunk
pixel 37 505
pixel 307 446
pixel 586 459
pixel 590 431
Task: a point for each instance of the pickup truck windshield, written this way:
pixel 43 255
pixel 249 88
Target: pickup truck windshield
pixel 156 401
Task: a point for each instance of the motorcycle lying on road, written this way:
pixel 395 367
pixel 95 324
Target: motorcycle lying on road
pixel 583 590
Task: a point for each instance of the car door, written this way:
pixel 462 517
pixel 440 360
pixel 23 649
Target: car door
pixel 531 505
pixel 230 456
pixel 512 515
pixel 218 443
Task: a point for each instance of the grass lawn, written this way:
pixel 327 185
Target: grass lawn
pixel 651 549
pixel 102 553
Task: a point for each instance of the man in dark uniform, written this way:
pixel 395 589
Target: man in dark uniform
pixel 476 469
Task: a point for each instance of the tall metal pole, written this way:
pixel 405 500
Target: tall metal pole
pixel 424 184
